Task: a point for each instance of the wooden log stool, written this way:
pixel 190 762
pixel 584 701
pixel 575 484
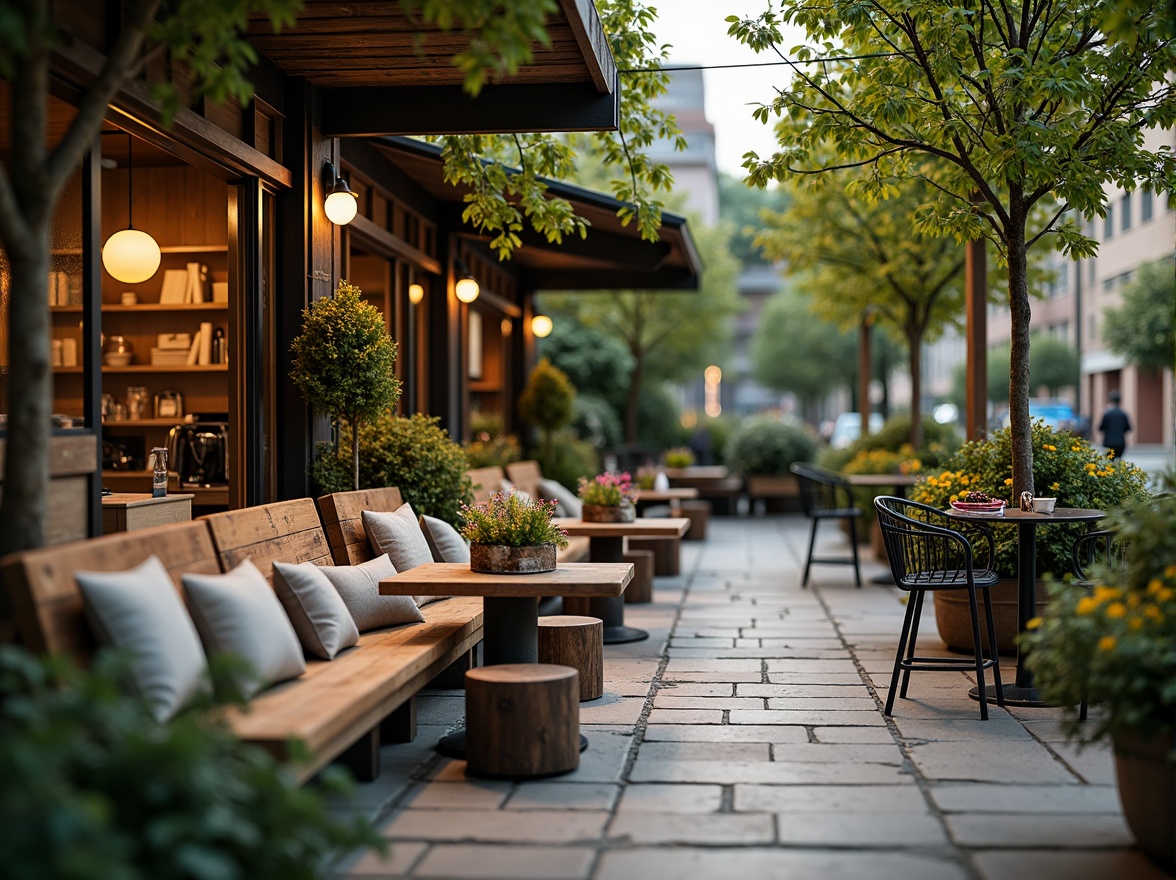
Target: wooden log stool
pixel 640 589
pixel 666 553
pixel 522 720
pixel 568 640
pixel 698 512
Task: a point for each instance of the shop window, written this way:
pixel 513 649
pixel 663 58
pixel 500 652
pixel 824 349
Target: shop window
pixel 1125 214
pixel 1109 223
pixel 1145 205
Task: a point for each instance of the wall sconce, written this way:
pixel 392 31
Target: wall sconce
pixel 541 326
pixel 341 204
pixel 130 255
pixel 467 288
pixel 416 293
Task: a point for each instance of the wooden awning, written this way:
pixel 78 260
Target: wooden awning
pixel 612 257
pixel 382 73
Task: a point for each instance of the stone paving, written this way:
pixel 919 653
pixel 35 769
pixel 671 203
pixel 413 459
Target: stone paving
pixel 746 738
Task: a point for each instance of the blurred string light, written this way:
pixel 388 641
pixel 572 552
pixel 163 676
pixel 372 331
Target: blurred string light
pixel 713 377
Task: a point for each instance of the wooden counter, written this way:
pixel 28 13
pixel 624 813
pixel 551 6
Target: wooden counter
pixel 127 511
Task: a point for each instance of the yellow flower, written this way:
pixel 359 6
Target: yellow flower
pixel 1170 571
pixel 1085 605
pixel 1107 643
pixel 1009 481
pixel 1164 595
pixel 1135 624
pixel 1091 466
pixel 1050 447
pixel 1154 586
pixel 1033 623
pixel 1103 593
pixel 1154 613
pixel 1055 486
pixel 954 498
pixel 1116 610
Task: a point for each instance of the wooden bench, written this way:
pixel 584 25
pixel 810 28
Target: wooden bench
pixel 336 708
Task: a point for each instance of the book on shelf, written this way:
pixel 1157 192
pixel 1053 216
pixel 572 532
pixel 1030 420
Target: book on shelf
pixel 175 286
pixel 194 292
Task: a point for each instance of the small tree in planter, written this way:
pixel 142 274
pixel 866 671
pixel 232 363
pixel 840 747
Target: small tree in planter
pixel 344 362
pixel 763 449
pixel 547 402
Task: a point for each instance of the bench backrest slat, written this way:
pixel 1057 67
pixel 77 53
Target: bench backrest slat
pixel 342 514
pixel 288 531
pixel 47 604
pixel 487 481
pixel 526 476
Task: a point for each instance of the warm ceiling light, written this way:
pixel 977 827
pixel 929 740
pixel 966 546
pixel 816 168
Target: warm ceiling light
pixel 467 288
pixel 541 326
pixel 341 203
pixel 507 326
pixel 130 255
pixel 416 293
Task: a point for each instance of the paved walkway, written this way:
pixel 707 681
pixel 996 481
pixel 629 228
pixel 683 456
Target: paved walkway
pixel 745 739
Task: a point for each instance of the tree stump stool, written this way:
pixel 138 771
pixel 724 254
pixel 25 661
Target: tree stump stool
pixel 665 554
pixel 522 720
pixel 698 512
pixel 578 642
pixel 640 589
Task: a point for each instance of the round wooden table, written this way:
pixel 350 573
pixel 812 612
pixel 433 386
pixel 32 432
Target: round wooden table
pixel 1022 692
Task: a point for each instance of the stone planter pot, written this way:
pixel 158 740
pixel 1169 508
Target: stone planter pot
pixel 1147 791
pixel 501 559
pixel 955 622
pixel 609 513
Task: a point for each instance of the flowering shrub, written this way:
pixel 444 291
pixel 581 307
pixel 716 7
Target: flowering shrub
pixel 679 457
pixel 610 490
pixel 884 461
pixel 1064 467
pixel 512 520
pixel 645 477
pixel 768 447
pixel 1116 645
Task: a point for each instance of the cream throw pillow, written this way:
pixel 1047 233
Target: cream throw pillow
pixel 140 611
pixel 445 542
pixel 319 615
pixel 359 587
pixel 399 535
pixel 238 613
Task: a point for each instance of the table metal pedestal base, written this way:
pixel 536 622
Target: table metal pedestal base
pixel 453 745
pixel 611 609
pixel 1014 695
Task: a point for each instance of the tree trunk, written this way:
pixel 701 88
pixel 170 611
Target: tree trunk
pixel 26 455
pixel 915 358
pixel 1020 312
pixel 633 397
pixel 355 453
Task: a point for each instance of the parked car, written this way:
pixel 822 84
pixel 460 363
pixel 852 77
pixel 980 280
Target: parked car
pixel 849 427
pixel 1058 415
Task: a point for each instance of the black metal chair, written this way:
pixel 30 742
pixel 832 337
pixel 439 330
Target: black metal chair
pixel 928 551
pixel 1098 547
pixel 824 494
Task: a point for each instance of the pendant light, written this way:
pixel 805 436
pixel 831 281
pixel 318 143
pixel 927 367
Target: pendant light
pixel 130 255
pixel 466 288
pixel 541 326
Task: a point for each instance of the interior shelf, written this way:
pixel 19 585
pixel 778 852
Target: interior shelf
pixel 153 368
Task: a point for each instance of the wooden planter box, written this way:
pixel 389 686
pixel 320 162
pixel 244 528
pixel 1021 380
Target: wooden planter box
pixel 72 459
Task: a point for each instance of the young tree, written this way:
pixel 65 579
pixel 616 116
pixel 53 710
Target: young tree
pixel 858 256
pixel 547 401
pixel 668 334
pixel 1143 328
pixel 345 362
pixel 1029 106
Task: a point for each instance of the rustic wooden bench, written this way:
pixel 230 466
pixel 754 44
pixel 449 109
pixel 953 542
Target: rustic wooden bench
pixel 336 708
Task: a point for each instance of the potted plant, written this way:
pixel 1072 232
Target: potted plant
pixel 512 534
pixel 1113 647
pixel 1065 467
pixel 679 457
pixel 763 449
pixel 608 498
pixel 344 363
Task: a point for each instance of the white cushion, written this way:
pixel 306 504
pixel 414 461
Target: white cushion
pixel 140 611
pixel 569 502
pixel 399 535
pixel 315 608
pixel 359 587
pixel 238 613
pixel 445 542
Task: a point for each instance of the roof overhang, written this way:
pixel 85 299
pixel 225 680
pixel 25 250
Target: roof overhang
pixel 381 72
pixel 612 257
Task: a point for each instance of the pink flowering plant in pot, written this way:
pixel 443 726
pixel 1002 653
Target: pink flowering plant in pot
pixel 608 498
pixel 511 533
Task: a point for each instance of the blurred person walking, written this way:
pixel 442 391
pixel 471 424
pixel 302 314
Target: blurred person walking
pixel 1114 426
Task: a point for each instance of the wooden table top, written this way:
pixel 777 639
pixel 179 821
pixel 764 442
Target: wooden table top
pixel 882 479
pixel 660 527
pixel 698 472
pixel 652 495
pixel 455 579
pixel 140 499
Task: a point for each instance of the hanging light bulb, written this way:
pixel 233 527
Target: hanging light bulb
pixel 416 293
pixel 541 326
pixel 130 255
pixel 341 204
pixel 467 288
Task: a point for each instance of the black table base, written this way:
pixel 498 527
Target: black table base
pixel 611 609
pixel 453 745
pixel 1014 695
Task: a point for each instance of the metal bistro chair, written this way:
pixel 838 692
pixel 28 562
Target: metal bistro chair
pixel 1098 547
pixel 927 552
pixel 824 494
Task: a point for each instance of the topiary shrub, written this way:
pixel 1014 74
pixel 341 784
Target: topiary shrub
pixel 571 458
pixel 547 401
pixel 95 789
pixel 767 447
pixel 413 454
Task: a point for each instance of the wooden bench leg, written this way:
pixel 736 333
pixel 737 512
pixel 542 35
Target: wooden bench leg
pixel 452 678
pixel 400 726
pixel 363 757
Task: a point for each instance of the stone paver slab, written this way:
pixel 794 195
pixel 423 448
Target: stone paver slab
pixel 698 689
pixel 1037 830
pixel 988 798
pixel 484 794
pixel 823 704
pixel 499 826
pixel 831 718
pixel 771 864
pixel 654 797
pixel 839 753
pixel 904 799
pixel 856 690
pixel 767 772
pixel 686 716
pixel 853 735
pixel 618 710
pixel 729 677
pixel 861 829
pixel 506 862
pixel 706 751
pixel 727 829
pixel 990 762
pixel 397 862
pixel 561 795
pixel 728 733
pixel 669 700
